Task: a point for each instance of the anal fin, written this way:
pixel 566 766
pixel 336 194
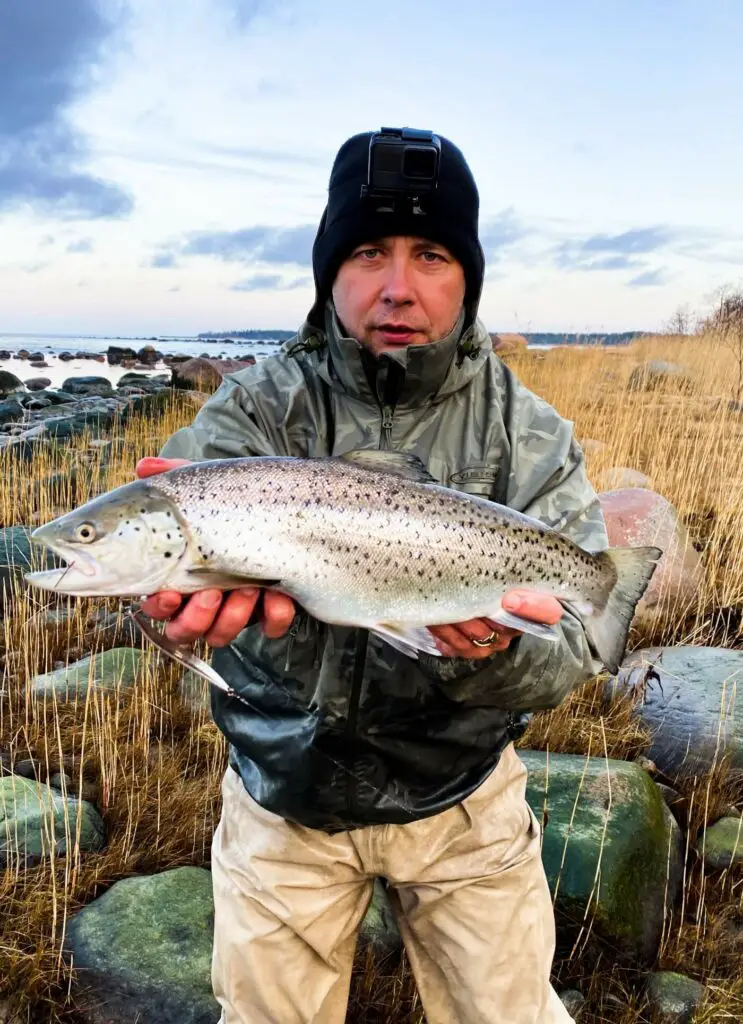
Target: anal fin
pixel 408 640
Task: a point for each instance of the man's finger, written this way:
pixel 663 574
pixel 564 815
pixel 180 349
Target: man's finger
pixel 161 605
pixel 196 618
pixel 460 646
pixel 232 617
pixel 151 465
pixel 531 605
pixel 278 613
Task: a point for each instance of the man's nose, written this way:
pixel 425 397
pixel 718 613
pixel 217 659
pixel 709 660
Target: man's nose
pixel 397 288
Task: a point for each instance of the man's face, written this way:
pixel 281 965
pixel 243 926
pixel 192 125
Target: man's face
pixel 399 291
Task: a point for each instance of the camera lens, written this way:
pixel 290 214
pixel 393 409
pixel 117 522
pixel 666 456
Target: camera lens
pixel 419 163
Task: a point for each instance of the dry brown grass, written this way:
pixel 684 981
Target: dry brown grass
pixel 154 767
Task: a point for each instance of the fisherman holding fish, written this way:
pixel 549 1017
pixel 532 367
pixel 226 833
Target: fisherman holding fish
pixel 395 556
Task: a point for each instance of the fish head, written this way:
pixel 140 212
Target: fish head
pixel 124 543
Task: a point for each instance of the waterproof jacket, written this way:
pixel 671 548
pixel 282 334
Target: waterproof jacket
pixel 343 731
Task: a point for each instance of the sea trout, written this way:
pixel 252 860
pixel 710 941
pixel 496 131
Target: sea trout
pixel 367 539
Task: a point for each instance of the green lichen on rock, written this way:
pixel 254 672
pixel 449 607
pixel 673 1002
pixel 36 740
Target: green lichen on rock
pixel 674 998
pixel 114 671
pixel 142 951
pixel 611 849
pixel 36 820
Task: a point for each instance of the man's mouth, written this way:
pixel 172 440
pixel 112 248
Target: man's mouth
pixel 396 332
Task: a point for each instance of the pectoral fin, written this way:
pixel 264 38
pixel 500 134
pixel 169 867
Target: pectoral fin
pixel 385 460
pixel 228 580
pixel 539 629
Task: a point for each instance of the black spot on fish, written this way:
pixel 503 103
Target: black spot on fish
pixel 168 554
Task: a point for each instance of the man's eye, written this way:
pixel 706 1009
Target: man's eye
pixel 368 253
pixel 435 256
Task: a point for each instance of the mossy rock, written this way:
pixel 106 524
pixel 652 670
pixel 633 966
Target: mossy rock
pixel 721 847
pixel 607 815
pixel 674 998
pixel 114 671
pixel 35 819
pixel 142 951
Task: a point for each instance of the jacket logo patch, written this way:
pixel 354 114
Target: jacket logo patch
pixel 475 475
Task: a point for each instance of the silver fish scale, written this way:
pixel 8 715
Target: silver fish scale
pixel 355 546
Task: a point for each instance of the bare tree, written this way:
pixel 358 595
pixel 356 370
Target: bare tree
pixel 726 320
pixel 680 322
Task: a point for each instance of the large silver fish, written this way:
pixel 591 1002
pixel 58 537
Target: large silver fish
pixel 367 539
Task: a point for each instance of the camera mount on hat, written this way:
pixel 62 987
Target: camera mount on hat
pixel 403 169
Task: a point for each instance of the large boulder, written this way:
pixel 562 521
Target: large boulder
pixel 9 383
pixel 611 849
pixel 113 671
pixel 673 998
pixel 148 356
pixel 36 820
pixel 660 375
pixel 38 383
pixel 205 374
pixel 99 386
pixel 117 354
pixel 636 516
pixel 142 951
pixel 687 698
pixel 11 411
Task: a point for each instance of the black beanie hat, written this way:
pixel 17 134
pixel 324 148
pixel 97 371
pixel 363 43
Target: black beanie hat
pixel 348 220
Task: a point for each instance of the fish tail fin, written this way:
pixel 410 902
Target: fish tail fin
pixel 607 628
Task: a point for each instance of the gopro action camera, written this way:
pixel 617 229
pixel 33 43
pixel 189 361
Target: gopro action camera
pixel 403 168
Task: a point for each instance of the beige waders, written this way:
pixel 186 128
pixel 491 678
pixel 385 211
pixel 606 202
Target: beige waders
pixel 472 903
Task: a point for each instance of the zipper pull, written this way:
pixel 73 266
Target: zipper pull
pixel 292 637
pixel 387 414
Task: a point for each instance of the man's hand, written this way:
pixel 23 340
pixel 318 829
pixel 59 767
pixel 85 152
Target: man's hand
pixel 212 614
pixel 456 641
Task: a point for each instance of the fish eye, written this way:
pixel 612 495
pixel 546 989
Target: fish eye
pixel 85 533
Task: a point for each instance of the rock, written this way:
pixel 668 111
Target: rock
pixel 63 427
pixel 676 803
pixel 36 357
pixel 659 375
pixel 4 354
pixel 9 383
pixel 609 812
pixel 114 629
pixel 35 819
pixel 18 555
pixel 39 364
pixel 10 411
pixel 148 356
pixel 37 403
pixel 636 517
pixel 686 696
pixel 27 768
pixel 205 374
pixel 97 386
pixel 22 353
pixel 136 379
pixel 379 928
pixel 62 782
pixel 674 998
pixel 505 343
pixel 573 1002
pixel 38 383
pixel 65 357
pixel 591 446
pixel 621 477
pixel 114 671
pixel 153 404
pixel 142 951
pixel 721 845
pixel 116 355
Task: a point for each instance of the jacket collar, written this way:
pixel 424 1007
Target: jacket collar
pixel 408 376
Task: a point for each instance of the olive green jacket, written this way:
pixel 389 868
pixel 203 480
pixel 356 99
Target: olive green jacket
pixel 343 731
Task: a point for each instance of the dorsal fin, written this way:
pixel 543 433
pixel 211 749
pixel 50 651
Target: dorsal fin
pixel 401 464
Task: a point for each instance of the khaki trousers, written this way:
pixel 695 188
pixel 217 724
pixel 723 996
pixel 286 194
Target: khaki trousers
pixel 472 903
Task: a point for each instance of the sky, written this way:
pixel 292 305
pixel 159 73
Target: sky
pixel 164 163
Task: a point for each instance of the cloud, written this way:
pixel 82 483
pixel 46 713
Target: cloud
pixel 501 232
pixel 649 279
pixel 163 260
pixel 269 244
pixel 45 46
pixel 612 252
pixel 81 245
pixel 269 282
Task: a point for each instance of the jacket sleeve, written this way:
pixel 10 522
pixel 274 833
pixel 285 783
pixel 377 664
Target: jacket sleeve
pixel 227 426
pixel 547 480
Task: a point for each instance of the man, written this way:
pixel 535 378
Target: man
pixel 359 761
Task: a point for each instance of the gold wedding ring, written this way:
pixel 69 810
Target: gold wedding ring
pixel 487 641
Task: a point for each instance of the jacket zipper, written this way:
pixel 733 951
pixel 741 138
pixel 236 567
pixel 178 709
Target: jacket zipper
pixel 362 643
